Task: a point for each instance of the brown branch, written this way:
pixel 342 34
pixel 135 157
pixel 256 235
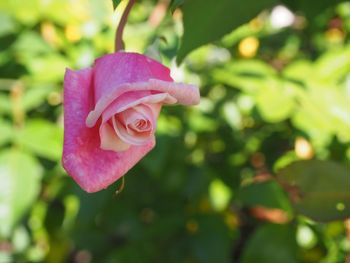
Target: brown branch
pixel 119 44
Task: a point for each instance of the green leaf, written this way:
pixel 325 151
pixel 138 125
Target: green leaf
pixel 267 194
pixel 175 4
pixel 311 8
pixel 48 68
pixel 300 70
pixel 212 228
pixel 271 244
pixel 247 75
pixel 333 65
pixel 20 184
pixel 318 189
pixel 220 195
pixel 6 132
pixel 35 96
pixel 116 3
pixel 209 21
pixel 5 104
pixel 275 101
pixel 42 138
pixel 8 25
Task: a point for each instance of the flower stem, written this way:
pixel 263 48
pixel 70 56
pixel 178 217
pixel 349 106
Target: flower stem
pixel 119 44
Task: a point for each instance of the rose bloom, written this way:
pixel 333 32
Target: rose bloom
pixel 110 115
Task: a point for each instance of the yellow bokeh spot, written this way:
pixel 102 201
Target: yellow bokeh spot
pixel 248 47
pixel 54 98
pixel 303 148
pixel 48 32
pixel 73 33
pixel 334 35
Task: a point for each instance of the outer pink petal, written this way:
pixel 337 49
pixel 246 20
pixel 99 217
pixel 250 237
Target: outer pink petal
pixel 113 70
pixel 184 93
pixel 92 168
pixel 131 99
pixel 117 73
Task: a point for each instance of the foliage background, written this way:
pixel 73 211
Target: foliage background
pixel 256 173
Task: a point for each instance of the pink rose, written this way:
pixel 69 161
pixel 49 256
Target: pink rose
pixel 110 115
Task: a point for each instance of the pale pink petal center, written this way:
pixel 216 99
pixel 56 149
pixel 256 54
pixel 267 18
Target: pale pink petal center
pixel 135 125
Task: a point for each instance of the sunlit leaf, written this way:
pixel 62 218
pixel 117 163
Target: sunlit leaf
pixel 35 96
pixel 8 25
pixel 116 3
pixel 301 70
pixel 5 104
pixel 42 138
pixel 6 132
pixel 247 75
pixel 20 177
pixel 275 101
pixel 220 195
pixel 48 68
pixel 333 65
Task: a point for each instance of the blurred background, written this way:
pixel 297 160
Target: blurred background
pixel 275 91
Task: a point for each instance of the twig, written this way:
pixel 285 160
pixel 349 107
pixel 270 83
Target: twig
pixel 119 44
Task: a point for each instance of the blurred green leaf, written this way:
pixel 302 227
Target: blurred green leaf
pixel 275 101
pixel 212 228
pixel 248 75
pixel 27 12
pixel 220 194
pixel 272 244
pixel 324 111
pixel 201 123
pixel 5 104
pixel 8 24
pixel 35 96
pixel 300 70
pixel 20 184
pixel 6 132
pixel 175 4
pixel 311 8
pixel 250 68
pixel 30 44
pixel 318 189
pixel 48 68
pixel 116 3
pixel 42 138
pixel 225 15
pixel 267 194
pixel 333 65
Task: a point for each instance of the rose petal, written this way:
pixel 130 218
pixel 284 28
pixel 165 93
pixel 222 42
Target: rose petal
pixel 120 125
pixel 124 102
pixel 131 99
pixel 142 111
pixel 90 166
pixel 113 70
pixel 122 72
pixel 185 94
pixel 110 140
